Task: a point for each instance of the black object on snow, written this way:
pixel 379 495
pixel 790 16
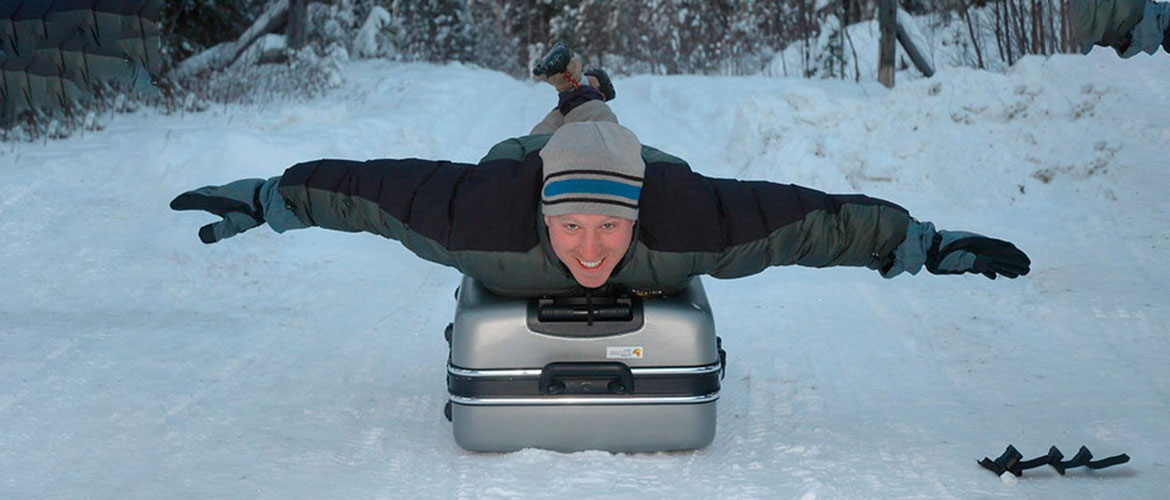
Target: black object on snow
pixel 1012 461
pixel 1009 461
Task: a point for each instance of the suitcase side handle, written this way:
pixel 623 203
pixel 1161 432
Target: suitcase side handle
pixel 586 378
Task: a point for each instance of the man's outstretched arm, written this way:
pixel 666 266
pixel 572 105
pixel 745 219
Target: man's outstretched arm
pixel 747 226
pixel 436 209
pixel 404 200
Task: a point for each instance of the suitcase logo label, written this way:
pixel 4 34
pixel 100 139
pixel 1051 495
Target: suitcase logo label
pixel 633 352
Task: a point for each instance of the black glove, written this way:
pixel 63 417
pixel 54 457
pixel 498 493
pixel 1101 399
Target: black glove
pixel 957 252
pixel 238 203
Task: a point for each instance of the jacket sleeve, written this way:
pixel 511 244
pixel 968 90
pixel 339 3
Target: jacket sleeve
pixel 404 200
pixel 742 227
pixel 456 214
pixel 1115 23
pixel 802 226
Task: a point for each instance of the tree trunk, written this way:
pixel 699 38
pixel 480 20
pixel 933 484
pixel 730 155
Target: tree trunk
pixel 1021 31
pixel 1065 28
pixel 887 24
pixel 268 22
pixel 974 40
pixel 297 19
pixel 916 56
pixel 1001 28
pixel 1038 28
pixel 806 15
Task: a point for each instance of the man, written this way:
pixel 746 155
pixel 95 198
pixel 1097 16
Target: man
pixel 1128 26
pixel 588 206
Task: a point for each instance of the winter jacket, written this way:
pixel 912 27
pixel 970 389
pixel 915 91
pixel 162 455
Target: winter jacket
pixel 485 221
pixel 1128 26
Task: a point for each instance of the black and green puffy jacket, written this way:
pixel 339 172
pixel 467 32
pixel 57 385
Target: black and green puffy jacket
pixel 485 221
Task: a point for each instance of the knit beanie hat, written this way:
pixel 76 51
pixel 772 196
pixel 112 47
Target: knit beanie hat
pixel 592 168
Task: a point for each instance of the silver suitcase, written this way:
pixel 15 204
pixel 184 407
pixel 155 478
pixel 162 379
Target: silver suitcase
pixel 619 373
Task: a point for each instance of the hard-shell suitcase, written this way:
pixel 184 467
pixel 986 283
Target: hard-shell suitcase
pixel 620 373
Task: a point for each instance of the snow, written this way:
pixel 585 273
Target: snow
pixel 136 362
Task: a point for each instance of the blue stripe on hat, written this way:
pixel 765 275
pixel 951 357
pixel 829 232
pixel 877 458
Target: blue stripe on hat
pixel 591 186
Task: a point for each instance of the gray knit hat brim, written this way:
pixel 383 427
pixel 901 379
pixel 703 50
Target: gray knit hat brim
pixel 592 168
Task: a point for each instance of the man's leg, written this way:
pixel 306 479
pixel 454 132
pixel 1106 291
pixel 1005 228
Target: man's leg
pixel 551 122
pixel 585 108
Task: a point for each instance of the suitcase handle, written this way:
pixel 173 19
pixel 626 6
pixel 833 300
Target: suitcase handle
pixel 570 312
pixel 586 378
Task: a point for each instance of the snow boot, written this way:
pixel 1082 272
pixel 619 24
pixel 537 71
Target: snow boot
pixel 599 79
pixel 561 68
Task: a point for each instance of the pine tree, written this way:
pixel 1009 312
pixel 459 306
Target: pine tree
pixel 491 35
pixel 429 30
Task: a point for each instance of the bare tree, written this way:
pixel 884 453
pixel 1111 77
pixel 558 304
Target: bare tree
pixel 966 15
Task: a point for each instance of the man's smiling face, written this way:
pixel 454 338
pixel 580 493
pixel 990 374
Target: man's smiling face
pixel 589 245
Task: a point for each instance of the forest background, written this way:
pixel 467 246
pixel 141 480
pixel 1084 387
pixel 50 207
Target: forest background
pixel 239 51
pixel 726 37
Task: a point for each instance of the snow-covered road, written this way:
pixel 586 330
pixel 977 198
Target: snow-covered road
pixel 136 362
